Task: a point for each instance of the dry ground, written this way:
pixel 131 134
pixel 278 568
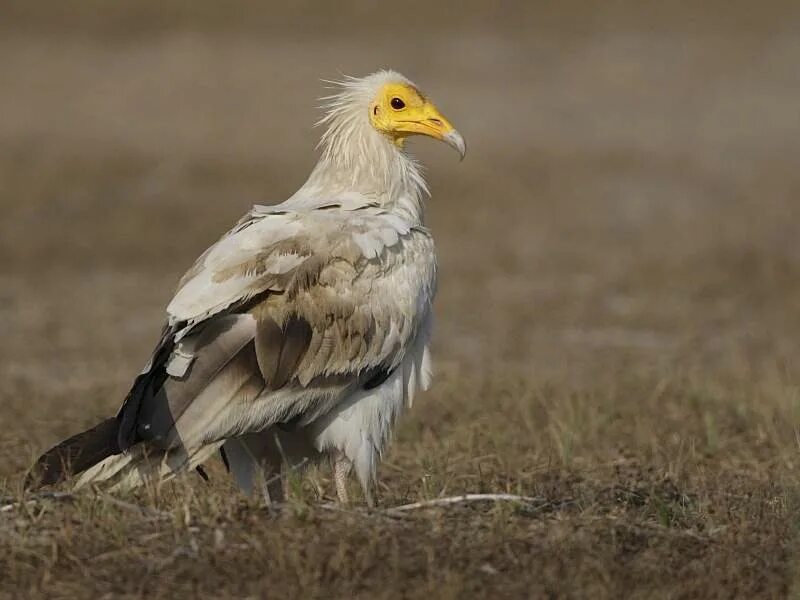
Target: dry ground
pixel 619 314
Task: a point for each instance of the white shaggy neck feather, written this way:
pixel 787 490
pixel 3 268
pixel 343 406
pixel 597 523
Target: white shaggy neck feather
pixel 358 158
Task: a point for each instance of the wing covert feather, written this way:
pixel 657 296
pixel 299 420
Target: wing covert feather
pixel 328 292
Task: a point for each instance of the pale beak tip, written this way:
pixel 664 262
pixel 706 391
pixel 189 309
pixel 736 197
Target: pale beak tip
pixel 456 141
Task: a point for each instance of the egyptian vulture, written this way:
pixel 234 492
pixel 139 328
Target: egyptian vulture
pixel 303 333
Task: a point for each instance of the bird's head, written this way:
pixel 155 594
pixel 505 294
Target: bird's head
pixel 400 110
pixel 391 105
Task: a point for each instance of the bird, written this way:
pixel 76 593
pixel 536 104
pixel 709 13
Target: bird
pixel 303 333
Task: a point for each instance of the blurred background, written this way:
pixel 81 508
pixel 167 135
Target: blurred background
pixel 631 181
pixel 619 250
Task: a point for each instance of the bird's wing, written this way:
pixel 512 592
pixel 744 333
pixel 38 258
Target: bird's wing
pixel 271 248
pixel 307 288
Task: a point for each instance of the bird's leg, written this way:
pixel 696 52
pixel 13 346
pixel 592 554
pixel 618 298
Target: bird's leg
pixel 341 469
pixel 272 486
pixel 368 496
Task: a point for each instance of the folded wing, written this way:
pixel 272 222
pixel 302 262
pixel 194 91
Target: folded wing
pixel 278 318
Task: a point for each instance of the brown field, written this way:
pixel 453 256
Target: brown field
pixel 618 319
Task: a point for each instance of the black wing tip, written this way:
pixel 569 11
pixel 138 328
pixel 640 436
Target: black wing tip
pixel 74 455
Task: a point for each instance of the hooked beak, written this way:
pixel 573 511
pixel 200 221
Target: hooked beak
pixel 456 141
pixel 427 120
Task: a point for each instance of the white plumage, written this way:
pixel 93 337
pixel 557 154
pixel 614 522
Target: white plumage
pixel 304 331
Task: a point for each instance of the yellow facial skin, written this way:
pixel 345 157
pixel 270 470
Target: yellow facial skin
pixel 400 110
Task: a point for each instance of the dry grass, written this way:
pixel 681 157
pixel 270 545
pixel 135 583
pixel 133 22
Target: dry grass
pixel 618 322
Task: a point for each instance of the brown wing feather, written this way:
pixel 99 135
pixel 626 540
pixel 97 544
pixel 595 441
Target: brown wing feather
pixel 269 340
pixel 280 349
pixel 296 340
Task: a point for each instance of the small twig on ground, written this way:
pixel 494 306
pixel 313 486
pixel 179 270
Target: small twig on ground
pixel 399 511
pixel 468 498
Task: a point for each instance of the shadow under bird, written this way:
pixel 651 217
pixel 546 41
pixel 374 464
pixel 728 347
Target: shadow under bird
pixel 303 333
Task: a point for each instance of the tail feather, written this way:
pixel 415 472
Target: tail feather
pixel 93 457
pixel 75 455
pixel 143 465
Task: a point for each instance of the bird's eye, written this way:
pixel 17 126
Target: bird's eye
pixel 397 103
